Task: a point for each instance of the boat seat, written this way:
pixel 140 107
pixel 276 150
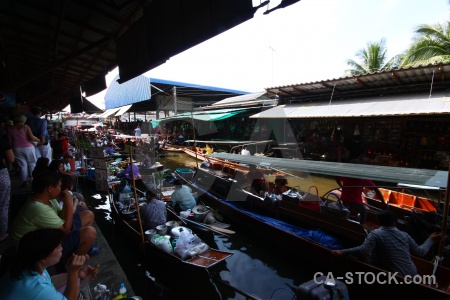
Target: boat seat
pixel 402 199
pixel 426 204
pixel 339 227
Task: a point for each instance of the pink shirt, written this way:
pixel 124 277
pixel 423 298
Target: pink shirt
pixel 19 138
pixel 352 189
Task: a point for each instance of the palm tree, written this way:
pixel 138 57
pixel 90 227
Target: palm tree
pixel 431 44
pixel 372 59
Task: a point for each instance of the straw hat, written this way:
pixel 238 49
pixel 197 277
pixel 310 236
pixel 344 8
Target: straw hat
pixel 157 165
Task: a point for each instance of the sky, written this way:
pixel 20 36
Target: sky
pixel 305 42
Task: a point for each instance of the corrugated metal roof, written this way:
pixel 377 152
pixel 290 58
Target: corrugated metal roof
pixel 109 112
pixel 123 110
pixel 424 177
pixel 420 79
pixel 253 99
pixel 363 107
pixel 132 91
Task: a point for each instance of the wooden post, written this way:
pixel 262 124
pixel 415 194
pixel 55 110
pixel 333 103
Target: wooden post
pixel 445 216
pixel 136 201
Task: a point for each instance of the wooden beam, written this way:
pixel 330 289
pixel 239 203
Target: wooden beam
pixel 441 72
pixel 396 78
pixel 300 90
pixel 330 87
pixel 286 92
pixel 360 82
pixel 57 64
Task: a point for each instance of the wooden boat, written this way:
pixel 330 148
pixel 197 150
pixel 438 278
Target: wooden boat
pixel 204 261
pixel 402 203
pixel 352 234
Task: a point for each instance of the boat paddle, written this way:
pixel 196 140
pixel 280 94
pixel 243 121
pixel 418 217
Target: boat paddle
pixel 210 227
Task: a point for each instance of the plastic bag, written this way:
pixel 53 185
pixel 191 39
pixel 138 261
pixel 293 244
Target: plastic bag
pixel 124 186
pixel 189 245
pixel 162 243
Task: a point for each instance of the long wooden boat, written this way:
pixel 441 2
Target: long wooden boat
pixel 352 234
pixel 402 203
pixel 204 261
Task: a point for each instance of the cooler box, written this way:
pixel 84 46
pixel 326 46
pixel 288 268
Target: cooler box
pixel 186 173
pixel 318 289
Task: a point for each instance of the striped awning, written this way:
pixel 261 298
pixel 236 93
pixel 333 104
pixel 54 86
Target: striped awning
pixel 363 107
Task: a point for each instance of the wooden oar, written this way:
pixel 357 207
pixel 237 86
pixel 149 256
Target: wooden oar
pixel 210 227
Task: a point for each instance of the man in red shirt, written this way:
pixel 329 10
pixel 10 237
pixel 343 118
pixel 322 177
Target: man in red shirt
pixel 60 146
pixel 352 189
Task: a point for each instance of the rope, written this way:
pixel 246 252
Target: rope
pixel 436 261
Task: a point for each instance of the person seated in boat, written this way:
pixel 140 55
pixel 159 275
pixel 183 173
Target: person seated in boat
pixel 351 195
pixel 255 181
pixel 110 149
pixel 182 198
pixel 208 149
pixel 280 185
pixel 127 172
pixel 154 212
pixel 244 151
pixel 389 248
pixel 27 276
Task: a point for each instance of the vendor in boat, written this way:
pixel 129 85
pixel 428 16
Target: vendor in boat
pixel 208 149
pixel 389 248
pixel 154 212
pixel 256 180
pixel 182 198
pixel 128 172
pixel 280 185
pixel 110 149
pixel 351 196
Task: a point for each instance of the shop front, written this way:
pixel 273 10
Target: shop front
pixel 406 130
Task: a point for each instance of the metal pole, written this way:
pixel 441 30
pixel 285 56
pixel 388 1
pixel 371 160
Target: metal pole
pixel 193 133
pixel 445 216
pixel 175 108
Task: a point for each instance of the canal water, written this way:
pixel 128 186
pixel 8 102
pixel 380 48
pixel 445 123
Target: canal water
pixel 257 268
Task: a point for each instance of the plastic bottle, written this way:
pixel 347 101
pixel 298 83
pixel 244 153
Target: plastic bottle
pixel 123 290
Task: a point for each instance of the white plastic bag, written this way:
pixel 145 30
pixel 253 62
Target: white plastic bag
pixel 189 245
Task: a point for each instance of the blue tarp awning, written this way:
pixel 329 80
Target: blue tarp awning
pixel 132 91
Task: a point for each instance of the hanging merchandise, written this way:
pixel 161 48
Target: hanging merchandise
pixel 356 132
pixel 423 141
pixel 333 134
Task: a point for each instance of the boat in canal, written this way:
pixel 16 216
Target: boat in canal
pixel 122 217
pixel 285 233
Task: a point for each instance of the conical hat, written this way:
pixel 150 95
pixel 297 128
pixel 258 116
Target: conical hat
pixel 157 165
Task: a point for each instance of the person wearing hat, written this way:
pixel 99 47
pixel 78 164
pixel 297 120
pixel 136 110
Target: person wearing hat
pixel 182 198
pixel 154 212
pixel 131 169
